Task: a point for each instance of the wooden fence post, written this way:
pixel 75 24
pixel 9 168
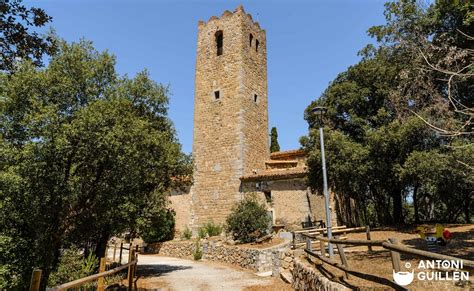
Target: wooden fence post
pixel 322 247
pixel 340 249
pixel 367 232
pixel 115 251
pixel 309 246
pixel 395 256
pixel 101 281
pixel 130 270
pixel 120 255
pixel 35 280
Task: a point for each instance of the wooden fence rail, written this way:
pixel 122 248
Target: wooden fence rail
pixel 391 245
pixel 131 266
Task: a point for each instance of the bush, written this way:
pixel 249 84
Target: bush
pixel 202 233
pixel 72 266
pixel 187 233
pixel 212 229
pixel 248 220
pixel 197 254
pixel 158 226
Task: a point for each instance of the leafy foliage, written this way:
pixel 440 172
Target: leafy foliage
pixel 187 233
pixel 378 111
pixel 197 253
pixel 16 42
pixel 248 220
pixel 85 155
pixel 202 233
pixel 274 146
pixel 212 229
pixel 73 266
pixel 157 226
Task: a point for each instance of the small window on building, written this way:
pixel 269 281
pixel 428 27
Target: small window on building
pixel 268 196
pixel 250 40
pixel 219 42
pixel 217 95
pixel 255 98
pixel 256 45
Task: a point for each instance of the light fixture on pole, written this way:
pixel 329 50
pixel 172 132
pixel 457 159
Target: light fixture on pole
pixel 319 112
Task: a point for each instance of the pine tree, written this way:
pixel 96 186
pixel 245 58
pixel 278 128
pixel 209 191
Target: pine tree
pixel 274 146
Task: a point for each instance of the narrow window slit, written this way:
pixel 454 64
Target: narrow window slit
pixel 219 42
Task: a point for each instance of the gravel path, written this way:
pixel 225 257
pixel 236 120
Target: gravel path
pixel 166 273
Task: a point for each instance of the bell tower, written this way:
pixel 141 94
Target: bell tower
pixel 230 112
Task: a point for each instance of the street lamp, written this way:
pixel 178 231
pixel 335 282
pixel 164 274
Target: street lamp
pixel 319 112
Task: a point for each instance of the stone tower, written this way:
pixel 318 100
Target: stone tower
pixel 230 112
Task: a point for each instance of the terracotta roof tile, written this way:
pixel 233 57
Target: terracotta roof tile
pixel 286 154
pixel 276 174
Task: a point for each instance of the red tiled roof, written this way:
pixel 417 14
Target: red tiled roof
pixel 287 154
pixel 276 174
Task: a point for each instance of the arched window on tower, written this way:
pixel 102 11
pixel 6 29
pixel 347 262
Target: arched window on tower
pixel 219 41
pixel 250 40
pixel 256 45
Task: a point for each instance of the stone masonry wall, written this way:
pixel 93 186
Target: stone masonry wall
pixel 259 260
pixel 305 277
pixel 292 201
pixel 231 132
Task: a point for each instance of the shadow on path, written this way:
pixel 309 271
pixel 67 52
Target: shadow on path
pixel 156 270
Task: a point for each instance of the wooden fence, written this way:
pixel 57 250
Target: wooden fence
pixel 391 245
pixel 100 277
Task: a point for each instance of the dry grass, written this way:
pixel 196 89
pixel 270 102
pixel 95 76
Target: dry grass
pixel 379 261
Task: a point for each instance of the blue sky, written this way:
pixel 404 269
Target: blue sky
pixel 308 44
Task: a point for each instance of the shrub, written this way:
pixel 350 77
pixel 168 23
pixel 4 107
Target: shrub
pixel 197 254
pixel 157 226
pixel 212 229
pixel 202 232
pixel 72 265
pixel 248 220
pixel 187 233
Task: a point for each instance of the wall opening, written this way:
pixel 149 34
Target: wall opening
pixel 256 45
pixel 217 95
pixel 219 42
pixel 268 196
pixel 255 98
pixel 250 40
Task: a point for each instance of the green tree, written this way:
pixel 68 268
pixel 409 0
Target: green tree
pixel 85 155
pixel 16 41
pixel 378 112
pixel 274 146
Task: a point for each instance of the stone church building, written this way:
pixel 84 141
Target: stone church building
pixel 231 137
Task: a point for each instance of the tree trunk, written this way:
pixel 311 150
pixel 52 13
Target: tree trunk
pixel 101 245
pixel 467 206
pixel 397 207
pixel 415 204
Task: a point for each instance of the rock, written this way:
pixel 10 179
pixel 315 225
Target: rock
pixel 286 276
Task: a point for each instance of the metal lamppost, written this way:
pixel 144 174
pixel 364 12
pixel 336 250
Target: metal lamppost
pixel 319 112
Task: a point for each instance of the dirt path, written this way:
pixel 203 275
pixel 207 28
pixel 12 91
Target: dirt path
pixel 166 273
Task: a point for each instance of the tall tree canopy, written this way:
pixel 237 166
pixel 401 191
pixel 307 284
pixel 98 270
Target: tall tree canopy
pixel 85 154
pixel 274 145
pixel 386 164
pixel 16 42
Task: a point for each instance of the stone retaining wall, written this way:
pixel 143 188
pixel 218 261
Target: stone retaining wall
pixel 260 260
pixel 305 277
